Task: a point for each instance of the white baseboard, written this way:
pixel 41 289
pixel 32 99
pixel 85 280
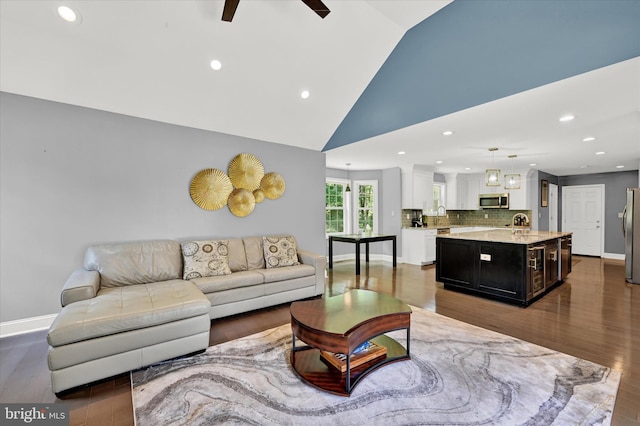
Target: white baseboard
pixel 26 325
pixel 616 256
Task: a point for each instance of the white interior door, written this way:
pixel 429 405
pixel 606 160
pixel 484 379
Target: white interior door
pixel 582 214
pixel 553 207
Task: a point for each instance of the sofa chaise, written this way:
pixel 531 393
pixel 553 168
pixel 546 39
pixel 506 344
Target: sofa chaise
pixel 137 303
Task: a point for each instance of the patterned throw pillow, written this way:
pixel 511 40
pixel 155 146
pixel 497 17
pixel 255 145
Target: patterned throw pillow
pixel 205 258
pixel 280 251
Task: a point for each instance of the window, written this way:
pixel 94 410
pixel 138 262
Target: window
pixel 366 208
pixel 336 213
pixel 438 195
pixel 350 212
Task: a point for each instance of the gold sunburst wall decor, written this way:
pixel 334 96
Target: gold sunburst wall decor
pixel 241 202
pixel 210 189
pixel 246 171
pixel 259 195
pixel 245 185
pixel 272 184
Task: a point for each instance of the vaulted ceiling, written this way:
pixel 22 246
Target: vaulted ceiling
pixel 383 76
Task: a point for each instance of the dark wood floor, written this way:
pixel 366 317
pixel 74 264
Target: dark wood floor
pixel 594 315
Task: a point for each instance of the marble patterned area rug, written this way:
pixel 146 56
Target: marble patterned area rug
pixel 458 374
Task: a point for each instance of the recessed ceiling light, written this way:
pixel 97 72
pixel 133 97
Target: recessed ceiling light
pixel 600 153
pixel 467 168
pixel 67 14
pixel 304 94
pixel 215 65
pixel 401 153
pixel 589 139
pixel 620 166
pixel 584 166
pixel 533 164
pixel 439 162
pixel 447 133
pixel 567 117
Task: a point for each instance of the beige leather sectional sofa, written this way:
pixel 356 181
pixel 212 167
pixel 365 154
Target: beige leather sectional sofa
pixel 137 303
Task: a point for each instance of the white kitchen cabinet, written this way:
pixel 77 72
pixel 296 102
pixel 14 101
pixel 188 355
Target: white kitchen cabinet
pixel 475 187
pixel 417 189
pixel 519 198
pixel 456 189
pixel 430 244
pixel 419 246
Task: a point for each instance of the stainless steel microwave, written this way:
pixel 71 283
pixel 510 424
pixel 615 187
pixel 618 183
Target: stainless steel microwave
pixel 493 201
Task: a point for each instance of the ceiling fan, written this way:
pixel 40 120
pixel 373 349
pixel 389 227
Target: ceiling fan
pixel 230 7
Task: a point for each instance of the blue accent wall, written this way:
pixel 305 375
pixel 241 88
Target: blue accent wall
pixel 472 52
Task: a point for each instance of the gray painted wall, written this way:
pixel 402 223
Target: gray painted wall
pixel 615 185
pixel 72 177
pixel 543 212
pixel 391 207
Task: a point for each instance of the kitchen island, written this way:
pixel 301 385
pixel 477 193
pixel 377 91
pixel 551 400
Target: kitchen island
pixel 514 266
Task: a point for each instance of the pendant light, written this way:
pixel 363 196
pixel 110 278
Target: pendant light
pixel 492 176
pixel 348 189
pixel 512 181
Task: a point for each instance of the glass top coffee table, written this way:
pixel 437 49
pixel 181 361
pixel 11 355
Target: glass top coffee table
pixel 339 325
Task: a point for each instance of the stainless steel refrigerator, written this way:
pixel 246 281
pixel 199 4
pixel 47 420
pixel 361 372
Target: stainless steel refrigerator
pixel 631 230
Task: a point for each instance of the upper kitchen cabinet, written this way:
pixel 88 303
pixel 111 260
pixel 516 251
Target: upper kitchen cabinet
pixel 519 198
pixel 457 189
pixel 463 190
pixel 417 188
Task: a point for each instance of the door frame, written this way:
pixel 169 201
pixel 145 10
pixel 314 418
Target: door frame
pixel 602 211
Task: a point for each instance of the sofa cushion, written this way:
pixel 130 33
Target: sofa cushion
pixel 118 309
pixel 205 258
pixel 255 253
pixel 140 262
pixel 113 344
pixel 237 255
pixel 280 251
pixel 227 282
pixel 287 273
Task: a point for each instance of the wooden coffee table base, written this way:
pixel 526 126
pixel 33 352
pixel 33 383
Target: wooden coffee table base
pixel 340 324
pixel 315 371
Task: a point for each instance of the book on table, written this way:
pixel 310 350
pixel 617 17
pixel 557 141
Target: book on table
pixel 362 354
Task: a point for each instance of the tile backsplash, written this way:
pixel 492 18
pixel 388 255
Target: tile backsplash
pixel 495 218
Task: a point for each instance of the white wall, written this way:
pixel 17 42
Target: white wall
pixel 72 177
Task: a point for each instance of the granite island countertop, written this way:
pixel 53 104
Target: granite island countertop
pixel 507 236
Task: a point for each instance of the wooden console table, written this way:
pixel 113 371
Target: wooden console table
pixel 358 239
pixel 339 324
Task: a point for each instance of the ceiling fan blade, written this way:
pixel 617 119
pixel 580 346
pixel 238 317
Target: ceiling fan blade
pixel 229 10
pixel 318 7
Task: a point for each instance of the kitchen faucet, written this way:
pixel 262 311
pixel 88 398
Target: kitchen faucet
pixel 444 213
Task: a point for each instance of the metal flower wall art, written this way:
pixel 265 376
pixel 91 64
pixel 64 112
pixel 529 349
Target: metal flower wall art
pixel 243 186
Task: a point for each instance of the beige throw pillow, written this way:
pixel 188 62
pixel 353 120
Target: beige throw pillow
pixel 280 251
pixel 205 258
